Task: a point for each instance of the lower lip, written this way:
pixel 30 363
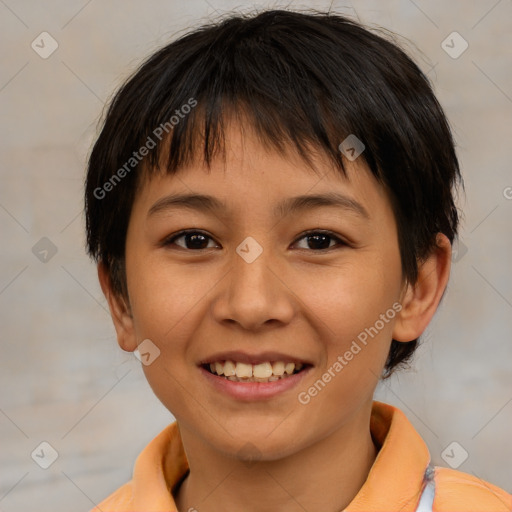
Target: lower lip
pixel 251 391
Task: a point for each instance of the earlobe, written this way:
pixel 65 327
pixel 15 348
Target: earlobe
pixel 420 300
pixel 119 310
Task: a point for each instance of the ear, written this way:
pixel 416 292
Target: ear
pixel 420 301
pixel 120 312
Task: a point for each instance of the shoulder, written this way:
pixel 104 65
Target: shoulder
pixel 458 491
pixel 120 500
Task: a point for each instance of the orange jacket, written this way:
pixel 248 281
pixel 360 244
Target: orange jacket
pixel 397 480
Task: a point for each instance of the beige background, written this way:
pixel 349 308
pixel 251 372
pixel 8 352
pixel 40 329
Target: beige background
pixel 63 378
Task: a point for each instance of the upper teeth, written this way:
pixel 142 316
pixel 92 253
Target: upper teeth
pixel 262 370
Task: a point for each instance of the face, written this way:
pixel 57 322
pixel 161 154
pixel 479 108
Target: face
pixel 254 281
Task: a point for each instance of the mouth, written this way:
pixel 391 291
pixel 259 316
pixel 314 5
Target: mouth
pixel 267 371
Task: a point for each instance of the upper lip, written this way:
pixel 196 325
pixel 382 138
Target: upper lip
pixel 254 358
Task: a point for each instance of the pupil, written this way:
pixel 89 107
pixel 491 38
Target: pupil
pixel 195 239
pixel 316 239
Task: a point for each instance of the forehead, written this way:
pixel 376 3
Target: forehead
pixel 251 176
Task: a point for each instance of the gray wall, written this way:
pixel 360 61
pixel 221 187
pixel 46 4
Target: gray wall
pixel 63 378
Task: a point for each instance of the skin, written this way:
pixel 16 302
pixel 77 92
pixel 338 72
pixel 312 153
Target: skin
pixel 293 298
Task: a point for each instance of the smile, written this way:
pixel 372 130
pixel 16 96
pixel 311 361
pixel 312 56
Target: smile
pixel 263 372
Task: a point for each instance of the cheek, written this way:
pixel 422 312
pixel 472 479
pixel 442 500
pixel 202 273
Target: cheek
pixel 354 314
pixel 167 307
pixel 165 298
pixel 350 297
pixel 352 306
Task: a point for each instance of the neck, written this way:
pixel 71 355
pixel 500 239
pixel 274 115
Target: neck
pixel 325 475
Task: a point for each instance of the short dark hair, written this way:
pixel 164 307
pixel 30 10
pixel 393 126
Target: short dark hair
pixel 306 80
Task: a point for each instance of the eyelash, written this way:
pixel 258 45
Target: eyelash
pixel 340 242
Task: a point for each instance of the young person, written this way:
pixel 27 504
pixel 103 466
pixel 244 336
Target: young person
pixel 270 204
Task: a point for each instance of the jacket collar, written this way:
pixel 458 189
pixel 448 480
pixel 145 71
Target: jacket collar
pixel 393 483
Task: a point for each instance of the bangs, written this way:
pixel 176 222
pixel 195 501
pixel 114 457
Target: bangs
pixel 272 80
pixel 202 137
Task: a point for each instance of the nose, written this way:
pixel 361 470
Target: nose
pixel 254 293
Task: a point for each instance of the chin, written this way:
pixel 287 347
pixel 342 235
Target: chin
pixel 261 444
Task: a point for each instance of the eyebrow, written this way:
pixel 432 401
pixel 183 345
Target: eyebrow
pixel 207 203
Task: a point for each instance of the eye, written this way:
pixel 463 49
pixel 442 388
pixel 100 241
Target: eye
pixel 320 240
pixel 197 240
pixel 193 240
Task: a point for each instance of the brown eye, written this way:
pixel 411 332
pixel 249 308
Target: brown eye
pixel 315 241
pixel 320 240
pixel 192 240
